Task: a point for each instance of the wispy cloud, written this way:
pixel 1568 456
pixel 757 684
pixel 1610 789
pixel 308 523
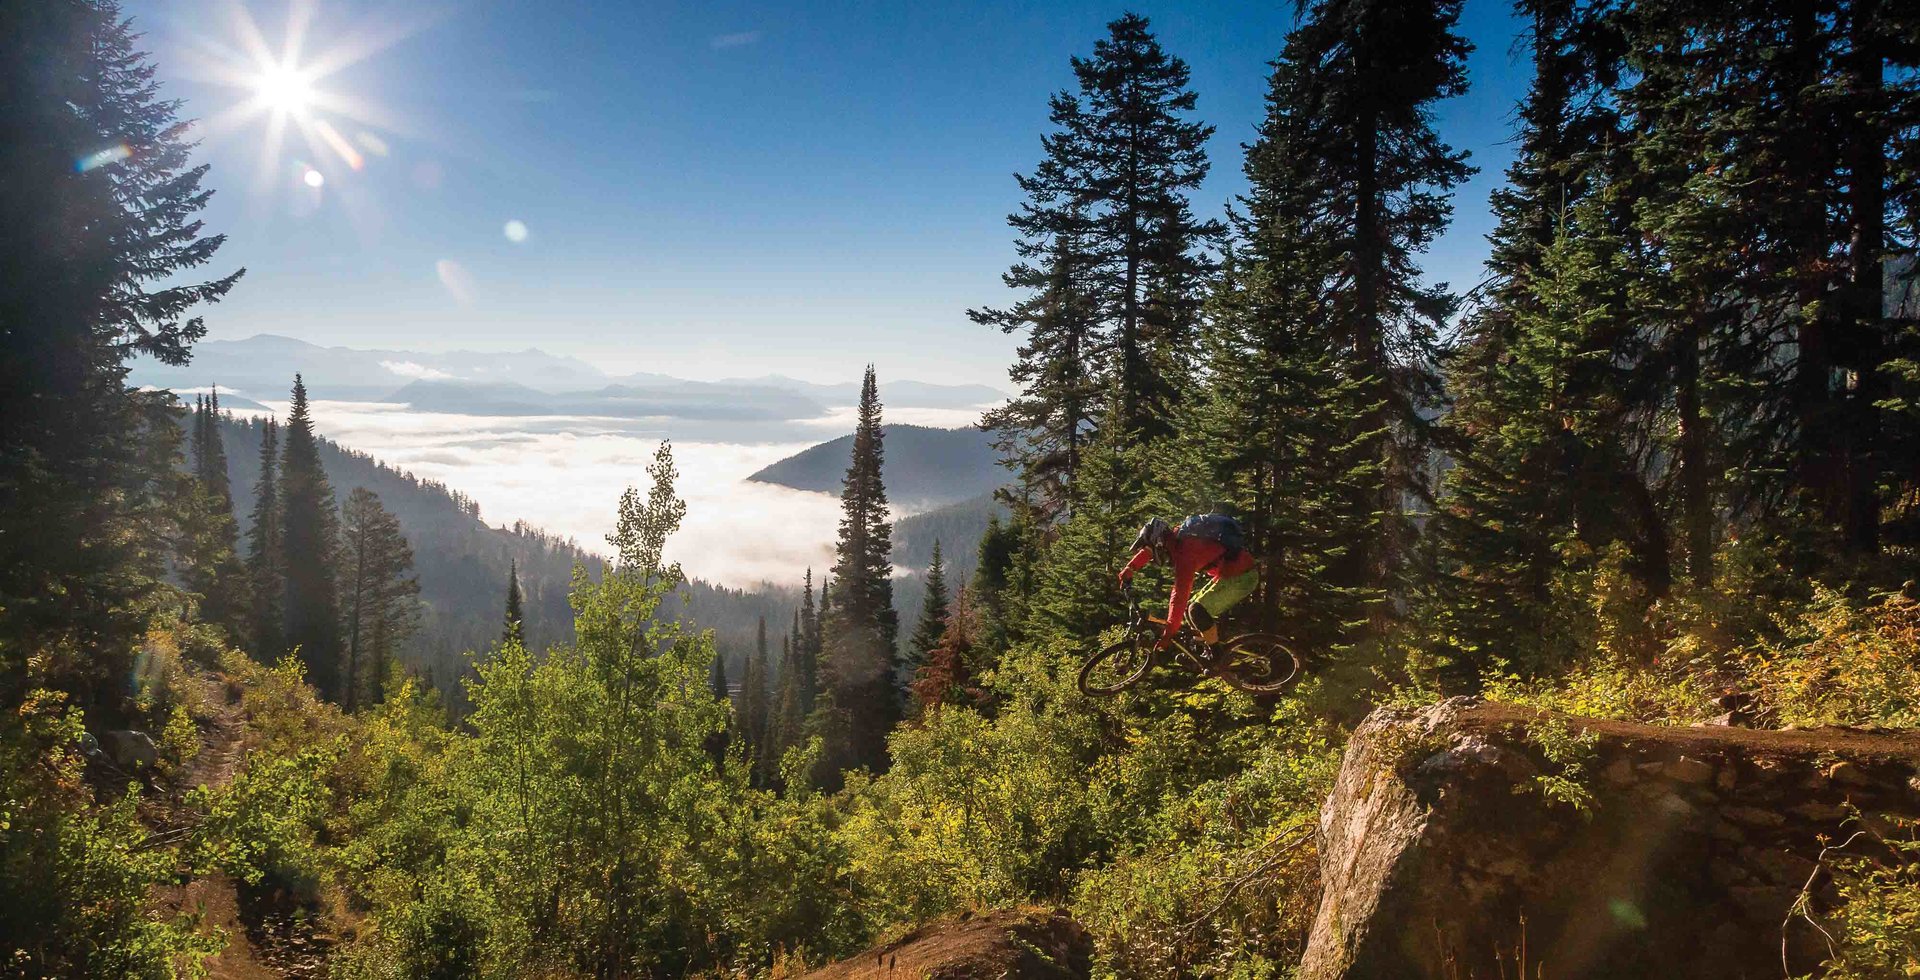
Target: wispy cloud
pixel 409 369
pixel 741 39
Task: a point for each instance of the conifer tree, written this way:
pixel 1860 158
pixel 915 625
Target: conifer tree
pixel 933 618
pixel 807 644
pixel 512 620
pixel 377 596
pixel 793 702
pixel 1529 389
pixel 753 711
pixel 100 202
pixel 1277 428
pixel 717 687
pixel 1077 595
pixel 997 596
pixel 266 560
pixel 1042 431
pixel 860 629
pixel 1112 305
pixel 208 552
pixel 947 676
pixel 307 539
pixel 1359 79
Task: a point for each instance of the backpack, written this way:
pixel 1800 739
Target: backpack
pixel 1216 527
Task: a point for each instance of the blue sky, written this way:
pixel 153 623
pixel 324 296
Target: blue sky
pixel 709 189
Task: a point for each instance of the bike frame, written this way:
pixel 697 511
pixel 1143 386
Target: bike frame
pixel 1184 641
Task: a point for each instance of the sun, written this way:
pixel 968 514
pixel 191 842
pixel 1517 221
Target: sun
pixel 284 88
pixel 290 89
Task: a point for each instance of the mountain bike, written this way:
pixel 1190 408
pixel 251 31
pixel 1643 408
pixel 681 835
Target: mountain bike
pixel 1258 663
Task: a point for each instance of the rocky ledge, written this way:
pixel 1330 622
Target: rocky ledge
pixel 1002 945
pixel 1482 840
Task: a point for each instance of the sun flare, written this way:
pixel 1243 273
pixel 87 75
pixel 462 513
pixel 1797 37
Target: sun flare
pixel 290 89
pixel 284 88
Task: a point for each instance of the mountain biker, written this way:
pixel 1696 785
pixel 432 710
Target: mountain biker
pixel 1207 543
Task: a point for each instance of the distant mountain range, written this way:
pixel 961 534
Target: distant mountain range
pixel 923 466
pixel 517 383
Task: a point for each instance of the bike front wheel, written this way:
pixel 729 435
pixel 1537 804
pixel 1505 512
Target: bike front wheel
pixel 1259 663
pixel 1117 667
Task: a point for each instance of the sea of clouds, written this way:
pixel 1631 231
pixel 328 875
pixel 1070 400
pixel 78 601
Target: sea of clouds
pixel 565 474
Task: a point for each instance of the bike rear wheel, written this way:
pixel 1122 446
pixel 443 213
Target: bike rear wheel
pixel 1116 668
pixel 1259 663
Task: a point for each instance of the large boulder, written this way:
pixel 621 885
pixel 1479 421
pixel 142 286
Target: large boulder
pixel 1443 855
pixel 1003 945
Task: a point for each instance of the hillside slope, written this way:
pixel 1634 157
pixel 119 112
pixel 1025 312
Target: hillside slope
pixel 462 563
pixel 923 465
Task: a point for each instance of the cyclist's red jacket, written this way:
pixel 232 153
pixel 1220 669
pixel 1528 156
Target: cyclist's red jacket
pixel 1190 555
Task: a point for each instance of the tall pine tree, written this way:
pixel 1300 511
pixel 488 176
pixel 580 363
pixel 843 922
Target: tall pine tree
pixel 307 539
pixel 933 619
pixel 100 205
pixel 512 625
pixel 1359 78
pixel 753 712
pixel 377 596
pixel 1113 302
pixel 1277 428
pixel 861 628
pixel 266 559
pixel 210 537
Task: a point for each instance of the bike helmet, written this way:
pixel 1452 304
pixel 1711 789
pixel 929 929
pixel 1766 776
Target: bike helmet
pixel 1154 535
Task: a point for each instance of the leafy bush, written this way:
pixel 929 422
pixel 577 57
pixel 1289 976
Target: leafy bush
pixel 1839 662
pixel 1874 931
pixel 1221 877
pixel 975 812
pixel 75 874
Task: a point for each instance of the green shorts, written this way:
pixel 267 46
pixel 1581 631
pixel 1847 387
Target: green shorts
pixel 1219 594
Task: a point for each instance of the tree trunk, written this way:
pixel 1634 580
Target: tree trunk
pixel 1860 422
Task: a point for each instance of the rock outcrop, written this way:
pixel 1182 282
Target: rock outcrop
pixel 1443 857
pixel 1015 945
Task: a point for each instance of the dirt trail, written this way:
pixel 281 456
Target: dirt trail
pixel 264 940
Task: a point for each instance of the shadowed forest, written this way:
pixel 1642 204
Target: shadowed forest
pixel 1662 465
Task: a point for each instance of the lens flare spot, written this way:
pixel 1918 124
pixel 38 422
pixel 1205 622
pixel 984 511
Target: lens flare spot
pixel 456 279
pixel 313 178
pixel 1627 914
pixel 93 161
pixel 516 231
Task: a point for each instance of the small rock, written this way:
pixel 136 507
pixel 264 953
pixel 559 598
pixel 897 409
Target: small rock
pixel 1619 772
pixel 1722 830
pixel 1765 903
pixel 1848 774
pixel 1687 770
pixel 1727 874
pixel 1820 811
pixel 1753 816
pixel 1782 868
pixel 1725 780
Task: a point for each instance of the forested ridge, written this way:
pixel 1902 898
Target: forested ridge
pixel 1663 465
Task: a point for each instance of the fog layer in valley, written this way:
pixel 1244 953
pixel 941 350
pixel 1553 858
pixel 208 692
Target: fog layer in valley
pixel 566 474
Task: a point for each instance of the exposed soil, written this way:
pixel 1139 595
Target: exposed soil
pixel 268 934
pixel 1018 944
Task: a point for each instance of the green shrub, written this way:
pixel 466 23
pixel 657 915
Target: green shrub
pixel 76 874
